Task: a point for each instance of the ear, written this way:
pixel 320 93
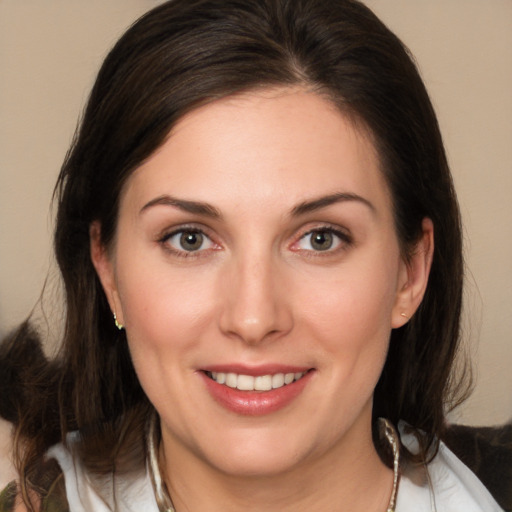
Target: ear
pixel 413 277
pixel 104 265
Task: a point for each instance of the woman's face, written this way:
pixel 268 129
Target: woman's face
pixel 258 275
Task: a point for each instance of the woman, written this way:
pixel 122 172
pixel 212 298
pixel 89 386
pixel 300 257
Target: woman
pixel 261 251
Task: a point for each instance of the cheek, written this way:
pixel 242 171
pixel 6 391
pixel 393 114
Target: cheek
pixel 352 308
pixel 166 314
pixel 162 305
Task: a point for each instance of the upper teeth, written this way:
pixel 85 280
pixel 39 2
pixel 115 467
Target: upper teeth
pixel 250 383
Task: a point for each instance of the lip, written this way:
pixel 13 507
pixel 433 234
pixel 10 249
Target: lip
pixel 255 403
pixel 254 371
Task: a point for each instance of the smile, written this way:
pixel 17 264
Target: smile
pixel 255 383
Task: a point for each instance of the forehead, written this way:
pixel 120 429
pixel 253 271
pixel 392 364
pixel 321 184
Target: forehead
pixel 276 145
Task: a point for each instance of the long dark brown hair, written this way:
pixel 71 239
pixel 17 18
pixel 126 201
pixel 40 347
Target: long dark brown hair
pixel 183 54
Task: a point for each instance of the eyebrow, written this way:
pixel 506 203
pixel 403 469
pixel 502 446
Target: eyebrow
pixel 325 201
pixel 207 210
pixel 194 207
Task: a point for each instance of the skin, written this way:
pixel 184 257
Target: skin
pixel 259 292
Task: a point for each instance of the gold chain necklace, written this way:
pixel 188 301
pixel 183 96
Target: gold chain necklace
pixel 164 501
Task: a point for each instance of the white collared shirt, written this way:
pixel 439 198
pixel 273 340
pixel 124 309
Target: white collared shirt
pixel 447 486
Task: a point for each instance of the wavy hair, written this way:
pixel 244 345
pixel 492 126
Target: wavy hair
pixel 183 54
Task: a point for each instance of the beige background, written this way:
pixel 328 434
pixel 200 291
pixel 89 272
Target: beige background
pixel 51 49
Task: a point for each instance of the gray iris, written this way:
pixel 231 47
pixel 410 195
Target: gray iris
pixel 191 241
pixel 321 240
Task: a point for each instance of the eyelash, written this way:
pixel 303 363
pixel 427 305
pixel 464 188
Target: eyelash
pixel 344 240
pixel 166 237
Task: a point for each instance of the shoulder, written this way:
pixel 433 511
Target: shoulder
pixel 8 498
pixel 101 492
pixel 487 451
pixel 455 485
pixel 445 485
pixel 50 500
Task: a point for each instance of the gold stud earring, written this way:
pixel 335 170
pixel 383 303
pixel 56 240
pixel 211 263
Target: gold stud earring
pixel 118 325
pixel 405 316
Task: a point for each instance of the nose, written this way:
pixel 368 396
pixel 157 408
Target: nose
pixel 255 303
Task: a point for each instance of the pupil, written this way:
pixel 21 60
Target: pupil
pixel 191 241
pixel 321 241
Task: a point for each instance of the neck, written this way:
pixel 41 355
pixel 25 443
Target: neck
pixel 349 476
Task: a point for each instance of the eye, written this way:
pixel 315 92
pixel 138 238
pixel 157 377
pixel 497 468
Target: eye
pixel 188 241
pixel 322 240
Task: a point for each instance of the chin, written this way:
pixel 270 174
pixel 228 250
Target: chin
pixel 257 454
pixel 259 465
